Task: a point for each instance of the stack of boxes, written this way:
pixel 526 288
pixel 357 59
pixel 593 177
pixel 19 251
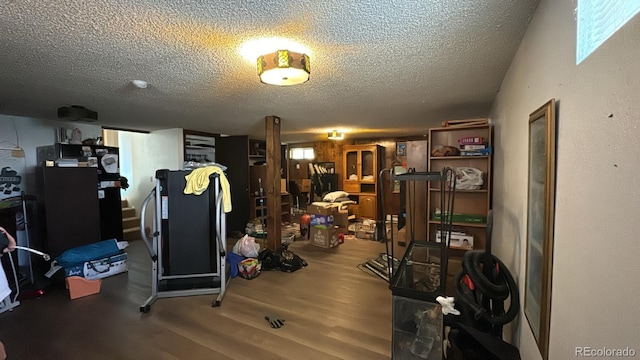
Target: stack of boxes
pixel 328 226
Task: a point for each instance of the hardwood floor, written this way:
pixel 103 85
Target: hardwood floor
pixel 333 310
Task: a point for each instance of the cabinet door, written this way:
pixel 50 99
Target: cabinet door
pixel 367 206
pixel 233 152
pixel 351 165
pixel 368 165
pixel 68 197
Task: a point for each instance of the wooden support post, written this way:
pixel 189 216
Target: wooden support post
pixel 272 186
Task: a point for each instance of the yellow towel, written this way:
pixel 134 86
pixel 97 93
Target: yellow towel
pixel 198 182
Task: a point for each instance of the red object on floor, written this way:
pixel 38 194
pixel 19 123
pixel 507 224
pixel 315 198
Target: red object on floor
pixel 30 294
pixel 305 225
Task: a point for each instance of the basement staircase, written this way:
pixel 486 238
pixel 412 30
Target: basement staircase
pixel 130 222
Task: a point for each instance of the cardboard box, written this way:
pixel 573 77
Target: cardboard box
pixel 321 210
pixel 80 287
pixel 462 241
pixel 324 238
pixel 306 185
pixel 321 220
pixel 341 230
pixel 341 219
pixel 366 235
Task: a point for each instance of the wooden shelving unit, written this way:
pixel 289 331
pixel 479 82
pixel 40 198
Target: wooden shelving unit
pixel 257 174
pixel 476 202
pixel 258 208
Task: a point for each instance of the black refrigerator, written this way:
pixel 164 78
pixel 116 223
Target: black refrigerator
pixel 105 161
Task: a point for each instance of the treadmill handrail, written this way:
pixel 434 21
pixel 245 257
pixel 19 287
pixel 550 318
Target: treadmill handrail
pixel 143 216
pixel 219 214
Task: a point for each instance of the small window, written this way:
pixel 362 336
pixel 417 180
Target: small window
pixel 598 20
pixel 301 154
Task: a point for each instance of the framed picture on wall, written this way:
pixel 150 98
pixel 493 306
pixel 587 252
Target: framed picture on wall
pixel 540 223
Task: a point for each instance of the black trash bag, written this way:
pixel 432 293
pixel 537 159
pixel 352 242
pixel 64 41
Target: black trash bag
pixel 290 262
pixel 282 259
pixel 269 259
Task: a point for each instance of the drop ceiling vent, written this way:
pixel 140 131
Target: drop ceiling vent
pixel 77 113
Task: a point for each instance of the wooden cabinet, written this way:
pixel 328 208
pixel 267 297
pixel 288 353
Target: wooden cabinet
pixel 69 211
pixel 241 155
pixel 472 205
pixel 361 165
pixel 367 206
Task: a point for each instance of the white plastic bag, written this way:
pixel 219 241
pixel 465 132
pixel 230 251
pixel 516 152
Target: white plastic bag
pixel 247 247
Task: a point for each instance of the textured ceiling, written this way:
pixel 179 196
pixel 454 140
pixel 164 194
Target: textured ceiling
pixel 378 67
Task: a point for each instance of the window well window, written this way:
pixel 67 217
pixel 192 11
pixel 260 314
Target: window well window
pixel 598 20
pixel 301 153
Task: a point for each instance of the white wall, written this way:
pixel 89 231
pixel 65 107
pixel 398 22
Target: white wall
pixel 595 298
pixel 162 149
pixel 29 133
pixel 141 154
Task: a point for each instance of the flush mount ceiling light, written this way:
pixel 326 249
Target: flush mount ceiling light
pixel 140 84
pixel 284 68
pixel 335 135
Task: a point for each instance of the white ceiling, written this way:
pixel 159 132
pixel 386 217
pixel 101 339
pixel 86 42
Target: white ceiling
pixel 378 67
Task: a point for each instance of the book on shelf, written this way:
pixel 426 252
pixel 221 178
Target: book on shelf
pixel 476 152
pixel 471 140
pixel 464 147
pixel 456 241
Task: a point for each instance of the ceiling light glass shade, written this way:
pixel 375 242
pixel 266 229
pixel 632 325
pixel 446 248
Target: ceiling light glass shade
pixel 283 68
pixel 335 135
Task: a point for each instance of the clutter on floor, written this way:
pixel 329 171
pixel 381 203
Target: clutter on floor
pixel 381 266
pixel 275 323
pixel 92 261
pixel 249 268
pixel 85 266
pixel 248 258
pixel 365 229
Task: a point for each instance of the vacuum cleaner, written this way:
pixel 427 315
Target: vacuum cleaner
pixel 483 284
